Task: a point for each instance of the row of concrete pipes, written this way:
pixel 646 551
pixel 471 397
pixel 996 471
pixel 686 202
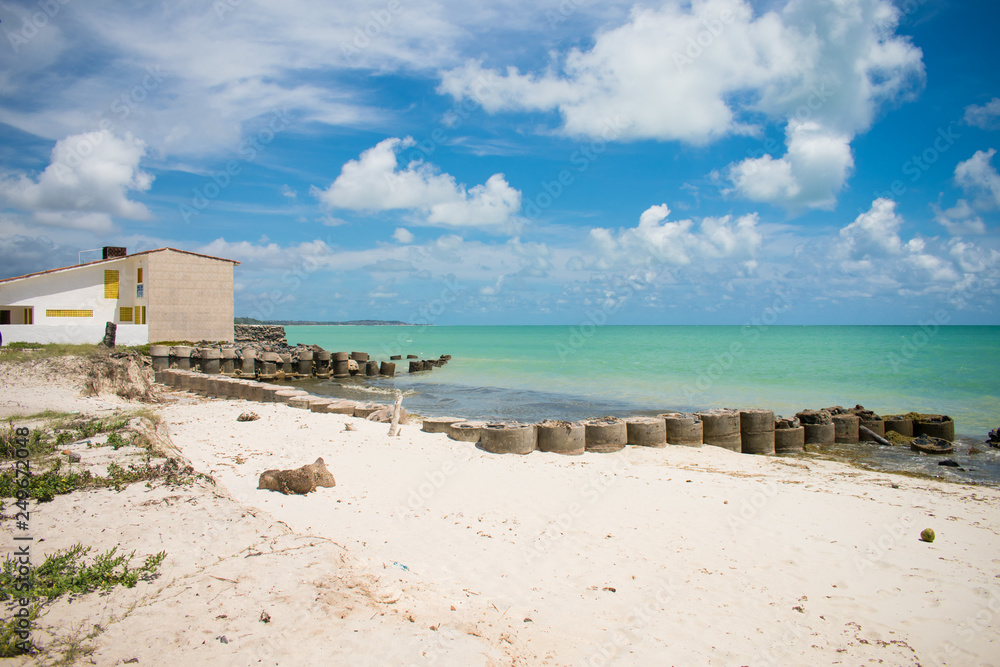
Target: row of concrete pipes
pixel 300 363
pixel 747 431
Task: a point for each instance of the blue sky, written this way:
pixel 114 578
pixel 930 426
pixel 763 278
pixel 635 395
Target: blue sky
pixel 709 162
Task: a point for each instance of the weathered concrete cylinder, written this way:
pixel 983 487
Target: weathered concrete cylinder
pixel 362 410
pixel 683 429
pixel 286 395
pixel 388 369
pixel 228 361
pixel 721 428
pixel 412 356
pixel 605 435
pixel 846 428
pixel 900 424
pixel 416 366
pixel 199 384
pixel 876 426
pixel 438 424
pixel 268 391
pixel 213 386
pixel 269 363
pixel 160 355
pixel 286 363
pixel 935 426
pixel 341 368
pixel 319 404
pixel 395 357
pixel 180 356
pixel 254 391
pixel 428 365
pixel 359 356
pixel 820 434
pixel 371 368
pixel 789 440
pixel 340 407
pixel 211 362
pixel 646 431
pixel 561 437
pixel 466 431
pixel 304 366
pixel 248 367
pixel 341 356
pixel 322 363
pixel 757 431
pixel 508 438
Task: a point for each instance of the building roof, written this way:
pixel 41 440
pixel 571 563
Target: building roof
pixel 117 259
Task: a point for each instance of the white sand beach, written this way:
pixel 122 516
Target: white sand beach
pixel 432 552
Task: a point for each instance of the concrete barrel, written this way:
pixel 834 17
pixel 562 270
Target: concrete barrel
pixel 388 369
pixel 395 357
pixel 721 428
pixel 211 362
pixel 359 356
pixel 412 356
pixel 561 437
pixel 646 431
pixel 683 429
pixel 789 436
pixel 935 426
pixel 199 384
pixel 185 380
pixel 416 366
pixel 300 402
pixel 214 386
pixel 287 367
pixel 757 431
pixel 254 391
pixel 340 407
pixel 502 438
pixel 166 377
pixel 605 434
pixel 466 431
pixel 319 405
pixel 371 368
pixel 269 363
pixel 285 395
pixel 341 365
pixel 846 428
pixel 160 355
pixel 238 388
pixel 877 426
pixel 268 391
pixel 438 424
pixel 819 428
pixel 900 424
pixel 341 356
pixel 428 365
pixel 248 362
pixel 304 366
pixel 322 363
pixel 228 363
pixel 180 356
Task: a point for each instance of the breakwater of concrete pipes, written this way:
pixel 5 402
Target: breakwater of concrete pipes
pixel 292 364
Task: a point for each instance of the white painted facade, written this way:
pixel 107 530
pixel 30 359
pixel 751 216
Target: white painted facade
pixel 74 304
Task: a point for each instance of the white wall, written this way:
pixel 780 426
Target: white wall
pixel 126 334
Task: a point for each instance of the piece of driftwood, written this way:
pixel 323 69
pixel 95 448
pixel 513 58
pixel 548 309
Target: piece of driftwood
pixel 868 434
pixel 394 428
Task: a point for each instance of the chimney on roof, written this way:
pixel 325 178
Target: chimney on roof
pixel 110 251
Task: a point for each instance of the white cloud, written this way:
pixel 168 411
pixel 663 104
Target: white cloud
pixel 375 182
pixel 978 176
pixel 286 191
pixel 874 232
pixel 700 72
pixel 986 117
pixel 403 235
pixel 960 220
pixel 86 183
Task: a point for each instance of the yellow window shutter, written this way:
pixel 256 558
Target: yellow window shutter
pixel 61 312
pixel 125 314
pixel 139 276
pixel 110 284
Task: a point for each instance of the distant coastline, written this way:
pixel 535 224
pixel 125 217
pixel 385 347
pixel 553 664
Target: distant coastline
pixel 354 323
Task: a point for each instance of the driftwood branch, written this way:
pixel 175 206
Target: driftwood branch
pixel 394 429
pixel 872 435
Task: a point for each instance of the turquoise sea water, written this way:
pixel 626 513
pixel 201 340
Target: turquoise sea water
pixel 537 372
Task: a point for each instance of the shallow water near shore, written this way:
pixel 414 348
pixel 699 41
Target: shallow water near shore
pixel 547 372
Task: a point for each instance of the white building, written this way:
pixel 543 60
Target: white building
pixel 152 296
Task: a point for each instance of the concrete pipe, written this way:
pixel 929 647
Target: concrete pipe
pixel 228 361
pixel 371 368
pixel 199 384
pixel 322 363
pixel 341 356
pixel 254 391
pixel 646 431
pixel 721 428
pixel 341 368
pixel 160 376
pixel 285 395
pixel 438 424
pixel 180 357
pixel 605 435
pixel 388 369
pixel 498 438
pixel 319 405
pixel 160 355
pixel 362 410
pixel 248 362
pixel 935 426
pixel 184 380
pixel 428 365
pixel 269 364
pixel 466 431
pixel 561 437
pixel 286 363
pixel 167 377
pixel 304 366
pixel 214 386
pixel 237 389
pixel 395 357
pixel 268 391
pixel 300 402
pixel 900 424
pixel 211 362
pixel 683 429
pixel 412 356
pixel 340 407
pixel 359 356
pixel 789 440
pixel 757 432
pixel 820 434
pixel 876 426
pixel 416 366
pixel 846 428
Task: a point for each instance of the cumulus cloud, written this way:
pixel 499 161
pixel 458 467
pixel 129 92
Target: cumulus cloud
pixel 403 235
pixel 978 176
pixel 87 182
pixel 960 219
pixel 875 231
pixel 698 72
pixel 986 116
pixel 677 243
pixel 376 182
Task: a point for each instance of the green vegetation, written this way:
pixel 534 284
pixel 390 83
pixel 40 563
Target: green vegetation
pixel 46 485
pixel 65 572
pixel 26 351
